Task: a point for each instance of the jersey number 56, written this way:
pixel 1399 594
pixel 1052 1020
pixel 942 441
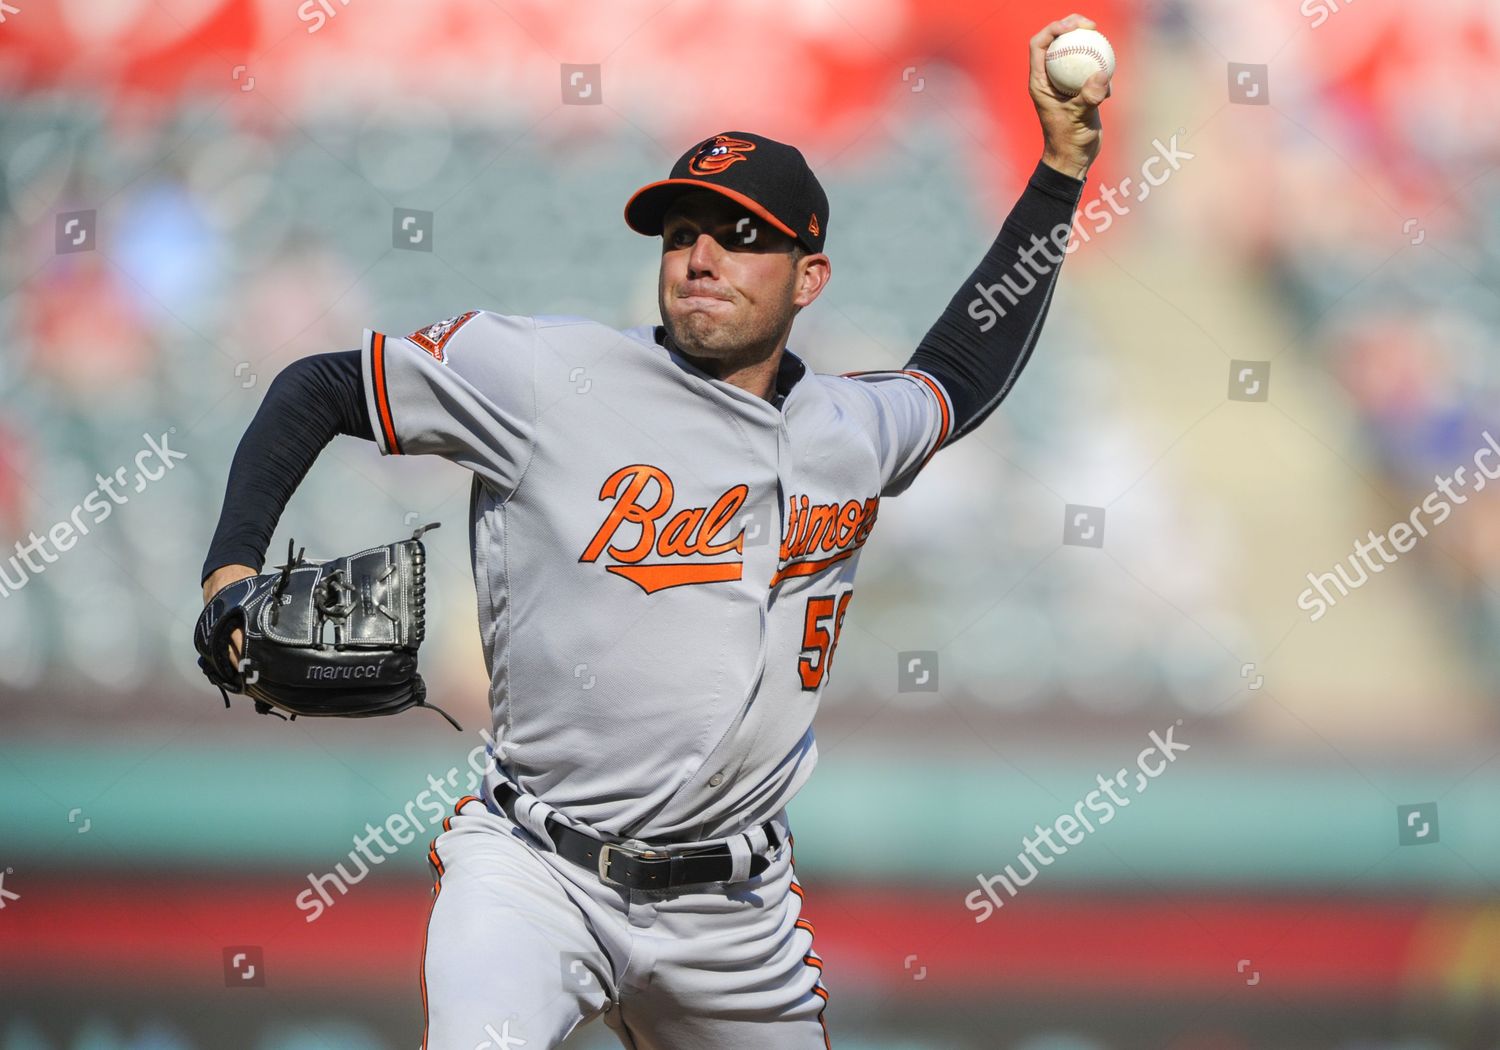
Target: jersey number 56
pixel 818 643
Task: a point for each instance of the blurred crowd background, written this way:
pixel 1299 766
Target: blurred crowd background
pixel 235 171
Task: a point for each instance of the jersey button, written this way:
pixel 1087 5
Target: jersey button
pixel 716 780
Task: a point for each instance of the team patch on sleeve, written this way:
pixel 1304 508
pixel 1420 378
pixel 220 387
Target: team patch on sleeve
pixel 436 335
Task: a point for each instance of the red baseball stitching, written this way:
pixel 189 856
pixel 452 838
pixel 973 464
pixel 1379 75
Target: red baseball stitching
pixel 1079 49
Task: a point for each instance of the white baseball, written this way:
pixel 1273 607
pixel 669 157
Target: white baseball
pixel 1077 55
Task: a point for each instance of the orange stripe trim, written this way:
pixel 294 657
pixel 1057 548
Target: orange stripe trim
pixel 437 888
pixel 937 392
pixel 810 959
pixel 458 811
pixel 942 401
pixel 382 399
pixel 739 198
pixel 808 568
pixel 660 576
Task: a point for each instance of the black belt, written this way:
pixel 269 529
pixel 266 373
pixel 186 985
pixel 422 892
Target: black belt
pixel 652 868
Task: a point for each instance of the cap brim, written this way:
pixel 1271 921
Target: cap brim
pixel 648 206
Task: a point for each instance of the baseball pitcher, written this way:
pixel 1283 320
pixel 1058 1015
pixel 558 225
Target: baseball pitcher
pixel 665 525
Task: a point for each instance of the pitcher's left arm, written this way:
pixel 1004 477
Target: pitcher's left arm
pixel 978 346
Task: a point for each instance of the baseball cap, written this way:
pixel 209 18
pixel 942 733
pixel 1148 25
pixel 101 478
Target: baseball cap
pixel 769 178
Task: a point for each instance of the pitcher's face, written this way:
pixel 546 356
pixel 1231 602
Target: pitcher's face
pixel 730 281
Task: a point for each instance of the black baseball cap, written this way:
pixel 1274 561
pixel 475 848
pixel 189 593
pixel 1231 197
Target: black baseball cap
pixel 769 178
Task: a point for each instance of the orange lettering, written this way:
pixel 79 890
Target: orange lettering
pixel 848 521
pixel 723 512
pixel 867 520
pixel 628 508
pixel 821 532
pixel 793 519
pixel 799 542
pixel 836 529
pixel 842 528
pixel 677 534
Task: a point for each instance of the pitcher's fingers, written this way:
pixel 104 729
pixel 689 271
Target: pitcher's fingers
pixel 1095 90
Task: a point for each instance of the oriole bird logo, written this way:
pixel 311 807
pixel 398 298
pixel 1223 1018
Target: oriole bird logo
pixel 718 153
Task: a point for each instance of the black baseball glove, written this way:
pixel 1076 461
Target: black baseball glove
pixel 331 638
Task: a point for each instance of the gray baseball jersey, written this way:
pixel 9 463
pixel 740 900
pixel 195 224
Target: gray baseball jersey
pixel 663 561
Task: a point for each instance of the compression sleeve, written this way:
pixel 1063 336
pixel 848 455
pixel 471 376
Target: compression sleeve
pixel 980 343
pixel 309 402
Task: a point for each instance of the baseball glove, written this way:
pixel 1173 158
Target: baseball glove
pixel 374 605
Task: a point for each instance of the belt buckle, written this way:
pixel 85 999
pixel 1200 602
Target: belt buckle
pixel 618 847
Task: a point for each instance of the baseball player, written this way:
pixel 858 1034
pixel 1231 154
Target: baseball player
pixel 665 525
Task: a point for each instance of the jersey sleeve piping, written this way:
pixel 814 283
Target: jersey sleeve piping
pixel 945 408
pixel 377 393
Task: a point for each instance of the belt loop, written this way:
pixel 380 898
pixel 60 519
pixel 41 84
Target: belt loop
pixel 739 853
pixel 757 838
pixel 525 809
pixel 532 814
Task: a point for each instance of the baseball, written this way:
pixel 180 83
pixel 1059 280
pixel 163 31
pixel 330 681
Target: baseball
pixel 1077 55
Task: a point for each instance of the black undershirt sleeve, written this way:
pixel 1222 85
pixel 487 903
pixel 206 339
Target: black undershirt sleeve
pixel 978 367
pixel 309 402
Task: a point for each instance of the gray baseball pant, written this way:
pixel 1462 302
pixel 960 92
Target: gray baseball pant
pixel 523 946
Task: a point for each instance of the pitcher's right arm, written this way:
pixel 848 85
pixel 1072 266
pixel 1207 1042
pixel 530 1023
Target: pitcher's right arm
pixel 309 402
